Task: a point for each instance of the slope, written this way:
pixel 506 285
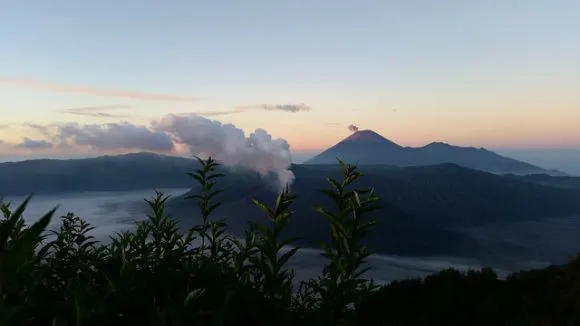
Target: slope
pixel 103 173
pixel 368 147
pixel 424 208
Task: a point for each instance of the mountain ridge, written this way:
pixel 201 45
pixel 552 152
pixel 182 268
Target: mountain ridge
pixel 425 207
pixel 146 170
pixel 369 147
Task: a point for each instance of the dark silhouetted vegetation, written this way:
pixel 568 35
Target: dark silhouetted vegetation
pixel 158 275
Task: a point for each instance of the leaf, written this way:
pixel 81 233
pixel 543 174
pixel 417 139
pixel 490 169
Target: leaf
pixel 285 257
pixel 216 175
pixel 18 212
pixel 195 294
pixel 214 193
pixel 337 186
pixel 264 208
pixel 22 250
pixel 196 177
pixel 32 235
pixel 212 208
pixel 7 228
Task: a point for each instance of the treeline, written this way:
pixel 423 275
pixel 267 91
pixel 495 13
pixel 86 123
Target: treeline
pixel 158 275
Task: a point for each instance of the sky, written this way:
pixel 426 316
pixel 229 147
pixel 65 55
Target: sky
pixel 503 75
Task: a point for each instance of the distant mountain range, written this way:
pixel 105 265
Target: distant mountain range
pixel 148 170
pixel 425 208
pixel 368 147
pixel 104 173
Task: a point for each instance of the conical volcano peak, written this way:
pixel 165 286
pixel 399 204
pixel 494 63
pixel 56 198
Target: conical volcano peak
pixel 369 147
pixel 367 136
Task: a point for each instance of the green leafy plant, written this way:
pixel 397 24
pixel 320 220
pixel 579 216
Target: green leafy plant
pixel 17 261
pixel 271 277
pixel 342 283
pixel 205 177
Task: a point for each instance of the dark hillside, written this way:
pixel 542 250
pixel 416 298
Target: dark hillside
pixel 104 173
pixel 421 206
pixel 548 180
pixel 442 195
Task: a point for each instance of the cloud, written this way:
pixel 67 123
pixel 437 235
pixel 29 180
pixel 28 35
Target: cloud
pixel 353 128
pixel 96 111
pixel 58 87
pixel 114 136
pixel 286 107
pixel 229 145
pixel 43 130
pixel 291 108
pixel 215 113
pixel 31 144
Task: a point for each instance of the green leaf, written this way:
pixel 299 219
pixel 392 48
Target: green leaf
pixel 337 186
pixel 285 257
pixel 264 208
pixel 216 175
pixel 192 295
pixel 197 177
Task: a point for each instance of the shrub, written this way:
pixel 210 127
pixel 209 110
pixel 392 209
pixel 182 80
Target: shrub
pixel 158 275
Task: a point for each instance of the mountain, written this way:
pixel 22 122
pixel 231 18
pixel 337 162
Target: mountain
pixel 425 210
pixel 103 173
pixel 368 147
pixel 447 194
pixel 550 180
pixel 148 170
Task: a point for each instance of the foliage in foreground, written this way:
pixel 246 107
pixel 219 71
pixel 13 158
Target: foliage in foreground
pixel 159 275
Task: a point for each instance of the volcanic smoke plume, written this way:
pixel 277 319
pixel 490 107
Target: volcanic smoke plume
pixel 353 128
pixel 229 145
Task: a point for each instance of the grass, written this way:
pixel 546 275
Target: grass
pixel 159 275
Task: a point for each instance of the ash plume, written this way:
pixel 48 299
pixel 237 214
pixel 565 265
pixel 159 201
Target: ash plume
pixel 353 128
pixel 230 146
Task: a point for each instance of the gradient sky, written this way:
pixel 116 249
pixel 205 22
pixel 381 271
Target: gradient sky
pixel 496 74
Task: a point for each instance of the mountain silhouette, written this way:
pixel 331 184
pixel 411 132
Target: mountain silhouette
pixel 367 147
pixel 424 210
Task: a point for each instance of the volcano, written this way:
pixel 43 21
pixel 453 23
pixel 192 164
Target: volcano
pixel 362 146
pixel 367 136
pixel 367 147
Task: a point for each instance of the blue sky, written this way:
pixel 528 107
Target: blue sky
pixel 498 74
